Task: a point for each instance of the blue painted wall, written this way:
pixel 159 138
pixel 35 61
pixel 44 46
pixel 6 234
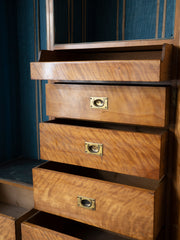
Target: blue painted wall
pixel 101 20
pixel 20 97
pixel 9 89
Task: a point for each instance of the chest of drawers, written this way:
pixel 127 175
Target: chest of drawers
pixel 108 140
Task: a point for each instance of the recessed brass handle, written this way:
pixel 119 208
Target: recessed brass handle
pixel 94 148
pixel 99 102
pixel 85 202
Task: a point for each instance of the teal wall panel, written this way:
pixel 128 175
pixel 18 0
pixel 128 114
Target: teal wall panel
pixel 77 21
pixel 9 102
pixel 26 47
pixel 170 13
pixel 140 19
pixel 160 25
pixel 120 20
pixel 43 45
pixel 61 20
pixel 101 20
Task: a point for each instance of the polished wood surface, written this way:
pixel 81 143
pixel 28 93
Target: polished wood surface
pixel 98 70
pixel 7 228
pixel 94 65
pixel 44 226
pixel 113 44
pixel 10 221
pixel 134 153
pixel 119 208
pixel 34 232
pixel 126 104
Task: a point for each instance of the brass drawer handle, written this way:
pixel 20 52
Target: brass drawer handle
pixel 94 148
pixel 99 102
pixel 85 202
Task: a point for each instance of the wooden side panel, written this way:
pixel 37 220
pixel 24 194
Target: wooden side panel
pixel 132 105
pixel 166 63
pixel 7 228
pixel 124 152
pixel 119 208
pixel 33 232
pixel 160 207
pixel 131 70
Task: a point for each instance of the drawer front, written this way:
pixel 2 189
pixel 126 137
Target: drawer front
pixel 7 228
pixel 120 104
pixel 133 153
pixel 119 208
pixel 131 70
pixel 35 232
pixel 44 226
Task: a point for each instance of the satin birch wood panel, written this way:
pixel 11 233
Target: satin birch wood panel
pixel 99 66
pixel 7 228
pixel 139 154
pixel 131 70
pixel 44 226
pixel 126 104
pixel 119 208
pixel 34 232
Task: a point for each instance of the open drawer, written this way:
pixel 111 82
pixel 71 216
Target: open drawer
pixel 141 64
pixel 118 203
pixel 44 226
pixel 16 202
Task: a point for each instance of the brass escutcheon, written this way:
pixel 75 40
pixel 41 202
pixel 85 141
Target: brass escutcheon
pixel 85 202
pixel 94 148
pixel 99 102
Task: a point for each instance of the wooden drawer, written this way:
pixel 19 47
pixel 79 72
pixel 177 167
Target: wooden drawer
pixel 7 228
pixel 125 64
pixel 131 210
pixel 123 150
pixel 10 220
pixel 120 104
pixel 44 226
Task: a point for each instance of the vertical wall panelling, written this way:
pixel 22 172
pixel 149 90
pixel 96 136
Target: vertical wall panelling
pixel 164 19
pixel 123 19
pixel 117 21
pixel 170 13
pixel 9 94
pixel 84 20
pixel 161 9
pixel 25 20
pixel 43 46
pixel 61 20
pixel 69 21
pixel 121 4
pixel 37 83
pixel 140 19
pixel 101 20
pixel 77 21
pixel 157 18
pixel 72 19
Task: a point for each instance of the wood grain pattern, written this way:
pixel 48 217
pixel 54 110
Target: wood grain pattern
pixel 44 226
pixel 131 153
pixel 113 44
pixel 126 104
pixel 7 228
pixel 119 208
pixel 131 70
pixel 34 232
